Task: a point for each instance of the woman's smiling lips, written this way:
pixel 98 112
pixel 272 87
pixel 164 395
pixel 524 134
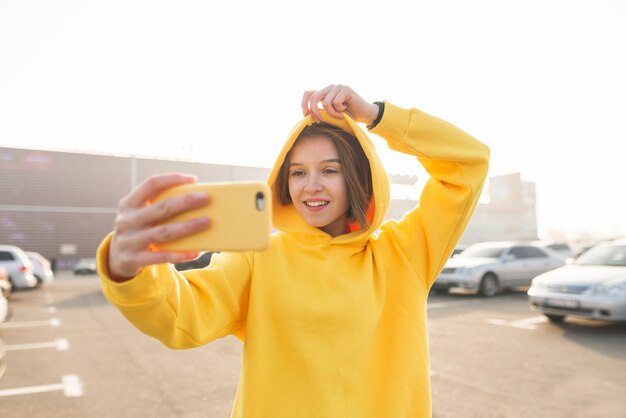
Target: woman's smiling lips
pixel 316 205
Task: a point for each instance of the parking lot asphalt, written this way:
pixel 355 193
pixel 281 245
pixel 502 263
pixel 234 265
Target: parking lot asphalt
pixel 69 353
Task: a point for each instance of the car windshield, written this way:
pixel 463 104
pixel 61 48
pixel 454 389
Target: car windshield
pixel 482 252
pixel 559 247
pixel 604 255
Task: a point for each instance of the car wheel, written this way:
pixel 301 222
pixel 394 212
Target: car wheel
pixel 555 319
pixel 441 290
pixel 489 285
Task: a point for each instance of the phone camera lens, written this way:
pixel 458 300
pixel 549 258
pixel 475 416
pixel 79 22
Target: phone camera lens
pixel 260 201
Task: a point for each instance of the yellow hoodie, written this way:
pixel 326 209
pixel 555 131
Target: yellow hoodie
pixel 332 327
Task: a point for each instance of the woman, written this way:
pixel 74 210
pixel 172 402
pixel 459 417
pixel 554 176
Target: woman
pixel 333 315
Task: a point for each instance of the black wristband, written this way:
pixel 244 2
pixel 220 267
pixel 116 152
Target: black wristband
pixel 381 110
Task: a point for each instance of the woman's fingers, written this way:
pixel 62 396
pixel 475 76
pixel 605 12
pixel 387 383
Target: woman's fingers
pixel 338 100
pixel 335 101
pixel 136 229
pixel 139 240
pixel 151 188
pixel 169 232
pixel 311 99
pixel 147 258
pixel 129 251
pixel 160 211
pixel 306 99
pixel 334 98
pixel 125 267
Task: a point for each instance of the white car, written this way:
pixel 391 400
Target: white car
pixel 592 286
pixel 490 266
pixel 4 312
pixel 85 266
pixel 5 284
pixel 41 267
pixel 19 266
pixel 560 247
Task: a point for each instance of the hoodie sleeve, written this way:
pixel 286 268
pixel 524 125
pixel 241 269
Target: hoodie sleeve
pixel 457 164
pixel 183 309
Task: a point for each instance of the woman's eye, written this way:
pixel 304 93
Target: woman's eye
pixel 297 173
pixel 330 171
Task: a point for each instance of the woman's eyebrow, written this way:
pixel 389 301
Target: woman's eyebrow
pixel 331 160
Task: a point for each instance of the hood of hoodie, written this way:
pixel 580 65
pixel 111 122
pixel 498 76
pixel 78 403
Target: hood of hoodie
pixel 286 218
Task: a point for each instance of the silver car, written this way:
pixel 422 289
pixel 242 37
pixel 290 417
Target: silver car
pixel 490 266
pixel 19 266
pixel 85 266
pixel 4 313
pixel 41 267
pixel 592 286
pixel 6 287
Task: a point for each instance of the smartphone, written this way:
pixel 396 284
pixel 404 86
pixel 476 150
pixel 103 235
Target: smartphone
pixel 240 214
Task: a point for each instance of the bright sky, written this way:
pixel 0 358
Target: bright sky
pixel 542 82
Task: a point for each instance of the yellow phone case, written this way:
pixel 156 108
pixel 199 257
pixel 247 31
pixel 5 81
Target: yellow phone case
pixel 240 214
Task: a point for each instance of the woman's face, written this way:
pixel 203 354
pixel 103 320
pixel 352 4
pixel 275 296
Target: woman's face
pixel 317 185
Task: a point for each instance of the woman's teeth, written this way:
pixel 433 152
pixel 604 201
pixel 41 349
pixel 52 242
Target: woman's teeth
pixel 315 204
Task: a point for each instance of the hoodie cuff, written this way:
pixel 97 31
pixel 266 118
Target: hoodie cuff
pixel 394 123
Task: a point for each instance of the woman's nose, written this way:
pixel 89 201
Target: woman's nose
pixel 313 184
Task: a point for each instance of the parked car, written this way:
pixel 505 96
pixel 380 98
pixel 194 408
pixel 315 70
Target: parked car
pixel 490 266
pixel 4 312
pixel 19 266
pixel 560 247
pixel 4 315
pixel 85 266
pixel 202 261
pixel 458 250
pixel 41 267
pixel 592 286
pixel 5 284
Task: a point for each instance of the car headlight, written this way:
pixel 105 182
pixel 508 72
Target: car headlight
pixel 466 270
pixel 612 289
pixel 536 284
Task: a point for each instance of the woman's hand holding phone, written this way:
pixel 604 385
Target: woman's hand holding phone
pixel 135 229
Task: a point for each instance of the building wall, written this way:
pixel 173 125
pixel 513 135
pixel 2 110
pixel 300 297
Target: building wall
pixel 62 204
pixel 510 214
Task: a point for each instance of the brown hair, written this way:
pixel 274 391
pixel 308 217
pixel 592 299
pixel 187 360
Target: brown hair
pixel 354 163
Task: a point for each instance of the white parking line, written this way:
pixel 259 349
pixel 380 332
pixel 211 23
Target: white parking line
pixel 70 385
pixel 528 323
pixel 53 322
pixel 61 344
